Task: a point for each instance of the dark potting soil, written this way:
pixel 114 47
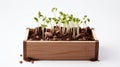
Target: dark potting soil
pixel 61 34
pixel 20 62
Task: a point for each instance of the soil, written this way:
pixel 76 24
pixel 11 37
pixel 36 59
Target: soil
pixel 32 62
pixel 20 62
pixel 20 55
pixel 57 34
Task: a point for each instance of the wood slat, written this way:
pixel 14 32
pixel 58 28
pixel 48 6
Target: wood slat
pixel 61 50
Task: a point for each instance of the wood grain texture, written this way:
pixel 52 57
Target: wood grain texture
pixel 61 50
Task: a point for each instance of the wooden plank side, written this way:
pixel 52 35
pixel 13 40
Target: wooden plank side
pixel 26 34
pixel 73 50
pixel 94 35
pixel 24 50
pixel 96 50
pixel 96 45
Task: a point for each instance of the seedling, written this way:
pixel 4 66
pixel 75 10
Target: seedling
pixel 37 19
pixel 43 26
pixel 85 21
pixel 54 10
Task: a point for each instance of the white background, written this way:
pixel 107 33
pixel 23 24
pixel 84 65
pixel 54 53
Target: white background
pixel 17 15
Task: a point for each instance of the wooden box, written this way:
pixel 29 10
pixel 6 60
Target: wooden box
pixel 60 50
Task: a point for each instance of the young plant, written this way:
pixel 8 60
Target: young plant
pixel 48 21
pixel 63 20
pixel 43 26
pixel 60 18
pixel 44 21
pixel 67 23
pixel 70 17
pixel 54 11
pixel 74 27
pixel 85 21
pixel 63 28
pixel 77 20
pixel 37 19
pixel 56 21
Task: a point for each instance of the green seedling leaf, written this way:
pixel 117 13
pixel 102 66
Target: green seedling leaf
pixel 74 19
pixel 36 19
pixel 81 21
pixel 49 18
pixel 56 22
pixel 77 20
pixel 39 14
pixel 64 18
pixel 44 18
pixel 67 22
pixel 54 18
pixel 70 17
pixel 60 12
pixel 85 21
pixel 59 18
pixel 85 16
pixel 88 19
pixel 54 9
pixel 42 25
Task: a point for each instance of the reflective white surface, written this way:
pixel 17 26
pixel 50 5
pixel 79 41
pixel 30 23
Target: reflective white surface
pixel 16 15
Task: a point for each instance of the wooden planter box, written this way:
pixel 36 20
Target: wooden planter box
pixel 60 50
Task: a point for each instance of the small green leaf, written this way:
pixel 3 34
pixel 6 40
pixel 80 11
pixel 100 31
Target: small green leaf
pixel 49 18
pixel 67 22
pixel 63 21
pixel 85 21
pixel 77 20
pixel 88 19
pixel 84 17
pixel 56 22
pixel 74 19
pixel 54 18
pixel 42 25
pixel 70 17
pixel 36 19
pixel 54 9
pixel 81 21
pixel 39 14
pixel 61 13
pixel 44 18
